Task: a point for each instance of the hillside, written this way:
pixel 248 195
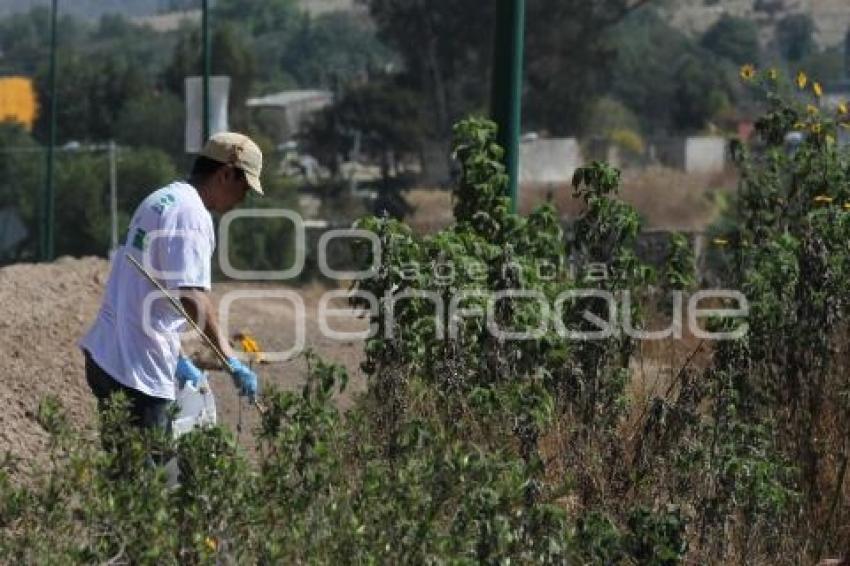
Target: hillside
pixel 832 17
pixel 93 9
pixel 88 9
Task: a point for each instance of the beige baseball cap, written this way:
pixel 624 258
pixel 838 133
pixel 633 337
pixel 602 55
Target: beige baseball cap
pixel 239 151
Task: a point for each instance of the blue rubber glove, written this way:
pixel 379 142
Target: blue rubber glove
pixel 245 379
pixel 187 372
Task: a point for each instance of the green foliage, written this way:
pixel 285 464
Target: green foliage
pixel 609 115
pixel 333 49
pixel 703 93
pixel 680 269
pixel 827 64
pixel 21 180
pixel 847 55
pixel 25 37
pixel 736 39
pixel 259 17
pixel 471 447
pixel 264 244
pixel 481 199
pixel 781 382
pixel 93 93
pixel 445 47
pixel 665 78
pixel 140 171
pixel 153 121
pixel 795 35
pixel 232 55
pixel 647 57
pixel 385 117
pixel 570 56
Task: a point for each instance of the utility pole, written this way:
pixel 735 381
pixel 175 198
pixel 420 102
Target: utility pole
pixel 205 38
pixel 48 197
pixel 113 194
pixel 506 96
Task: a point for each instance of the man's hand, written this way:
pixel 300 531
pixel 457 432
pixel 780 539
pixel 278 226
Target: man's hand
pixel 198 305
pixel 187 372
pixel 244 378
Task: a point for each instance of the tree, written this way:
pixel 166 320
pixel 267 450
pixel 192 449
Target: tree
pixel 733 38
pixel 268 16
pixel 569 55
pixel 609 114
pixel 701 94
pixel 446 46
pixel 386 117
pixel 847 55
pixel 826 65
pixel 82 195
pixel 232 55
pixel 21 169
pixel 648 52
pixel 153 119
pixel 795 36
pixel 92 93
pixel 333 48
pixel 25 39
pixel 140 172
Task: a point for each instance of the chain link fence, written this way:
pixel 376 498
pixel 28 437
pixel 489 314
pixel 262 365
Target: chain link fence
pixel 97 188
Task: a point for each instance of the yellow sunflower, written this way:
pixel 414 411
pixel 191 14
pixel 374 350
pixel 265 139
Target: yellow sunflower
pixel 802 80
pixel 748 72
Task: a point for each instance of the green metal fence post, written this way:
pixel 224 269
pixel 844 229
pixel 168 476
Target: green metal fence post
pixel 48 197
pixel 205 32
pixel 507 85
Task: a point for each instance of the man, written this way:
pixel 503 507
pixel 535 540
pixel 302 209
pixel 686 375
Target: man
pixel 134 344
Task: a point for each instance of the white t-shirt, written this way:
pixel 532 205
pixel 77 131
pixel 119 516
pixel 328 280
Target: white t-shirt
pixel 172 235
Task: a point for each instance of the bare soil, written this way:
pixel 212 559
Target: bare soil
pixel 46 308
pixel 666 199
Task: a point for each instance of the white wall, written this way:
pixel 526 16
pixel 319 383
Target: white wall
pixel 549 160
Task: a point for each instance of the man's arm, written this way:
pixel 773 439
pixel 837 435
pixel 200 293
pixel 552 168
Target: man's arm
pixel 199 306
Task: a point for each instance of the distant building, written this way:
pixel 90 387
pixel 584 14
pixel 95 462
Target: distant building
pixel 831 17
pixel 549 161
pixel 316 7
pixel 696 154
pixel 171 21
pixel 290 109
pixel 705 154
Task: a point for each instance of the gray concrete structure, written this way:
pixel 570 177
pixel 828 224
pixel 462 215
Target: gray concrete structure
pixel 549 161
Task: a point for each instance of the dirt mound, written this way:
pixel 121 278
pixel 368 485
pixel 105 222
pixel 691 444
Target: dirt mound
pixel 44 309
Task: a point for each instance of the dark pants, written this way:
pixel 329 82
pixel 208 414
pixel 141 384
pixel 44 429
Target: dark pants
pixel 146 412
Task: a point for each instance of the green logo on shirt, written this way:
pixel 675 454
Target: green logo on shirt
pixel 139 239
pixel 164 203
